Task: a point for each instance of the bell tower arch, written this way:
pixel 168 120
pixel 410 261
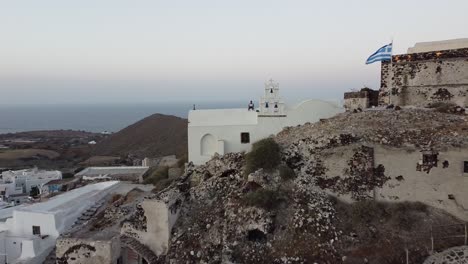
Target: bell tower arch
pixel 271 103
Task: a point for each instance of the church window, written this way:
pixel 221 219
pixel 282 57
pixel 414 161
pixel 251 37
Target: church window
pixel 36 230
pixel 245 137
pixel 276 105
pixel 271 90
pixel 465 166
pixel 266 105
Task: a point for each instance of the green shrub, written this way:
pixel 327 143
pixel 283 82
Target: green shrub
pixel 159 178
pixel 157 175
pixel 162 184
pixel 264 154
pixel 182 160
pixel 264 198
pixel 286 173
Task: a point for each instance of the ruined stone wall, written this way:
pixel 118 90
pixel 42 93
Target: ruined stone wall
pixel 356 103
pixel 362 99
pixel 442 187
pixel 153 222
pixel 87 251
pixel 397 176
pixel 423 78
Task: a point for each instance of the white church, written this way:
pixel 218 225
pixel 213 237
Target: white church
pixel 234 130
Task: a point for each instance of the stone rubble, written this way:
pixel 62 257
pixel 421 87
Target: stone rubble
pixel 216 225
pixel 305 147
pixel 455 255
pixel 404 128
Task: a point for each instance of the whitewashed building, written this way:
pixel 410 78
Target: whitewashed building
pixel 234 130
pixel 121 173
pixel 28 232
pixel 20 182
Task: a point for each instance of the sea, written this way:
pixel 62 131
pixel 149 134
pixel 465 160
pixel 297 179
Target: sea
pixel 92 117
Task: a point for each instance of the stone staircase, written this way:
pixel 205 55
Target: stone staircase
pixel 139 248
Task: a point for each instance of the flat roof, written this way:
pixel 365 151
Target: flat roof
pixel 67 200
pixel 222 117
pixel 96 171
pixel 439 45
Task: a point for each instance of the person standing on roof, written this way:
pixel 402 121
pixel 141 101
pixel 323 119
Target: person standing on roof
pixel 251 106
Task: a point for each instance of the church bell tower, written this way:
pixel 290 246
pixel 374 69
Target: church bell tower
pixel 271 103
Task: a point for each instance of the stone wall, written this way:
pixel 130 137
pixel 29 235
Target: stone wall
pixel 152 223
pixel 423 78
pixel 362 99
pixel 396 174
pixel 87 251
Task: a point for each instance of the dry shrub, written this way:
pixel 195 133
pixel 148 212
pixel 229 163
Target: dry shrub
pixel 265 154
pixel 264 198
pixel 403 215
pixel 366 211
pixel 286 173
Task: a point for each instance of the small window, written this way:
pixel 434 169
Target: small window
pixel 245 137
pixel 266 105
pixel 36 230
pixel 465 166
pixel 430 159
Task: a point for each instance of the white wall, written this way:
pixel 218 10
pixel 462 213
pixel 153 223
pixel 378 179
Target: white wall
pixel 24 221
pixel 231 136
pixel 226 126
pixel 13 247
pixel 3 257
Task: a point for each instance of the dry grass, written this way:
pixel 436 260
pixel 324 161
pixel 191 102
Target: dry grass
pixel 27 153
pixel 100 160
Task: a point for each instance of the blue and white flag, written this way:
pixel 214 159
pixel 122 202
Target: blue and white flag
pixel 382 54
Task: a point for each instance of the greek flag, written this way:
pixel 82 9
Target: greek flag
pixel 382 54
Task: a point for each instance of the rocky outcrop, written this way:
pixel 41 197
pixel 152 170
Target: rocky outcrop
pixel 87 251
pixel 456 255
pixel 409 128
pixel 217 223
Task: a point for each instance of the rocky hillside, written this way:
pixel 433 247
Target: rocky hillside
pixel 400 128
pixel 291 213
pixel 225 217
pixel 154 136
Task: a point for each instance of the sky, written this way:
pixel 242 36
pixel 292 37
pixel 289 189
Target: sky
pixel 106 51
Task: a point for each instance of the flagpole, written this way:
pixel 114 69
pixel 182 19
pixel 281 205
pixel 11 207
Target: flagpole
pixel 391 69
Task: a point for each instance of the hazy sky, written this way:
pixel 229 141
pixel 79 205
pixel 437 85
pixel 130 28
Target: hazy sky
pixel 57 51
